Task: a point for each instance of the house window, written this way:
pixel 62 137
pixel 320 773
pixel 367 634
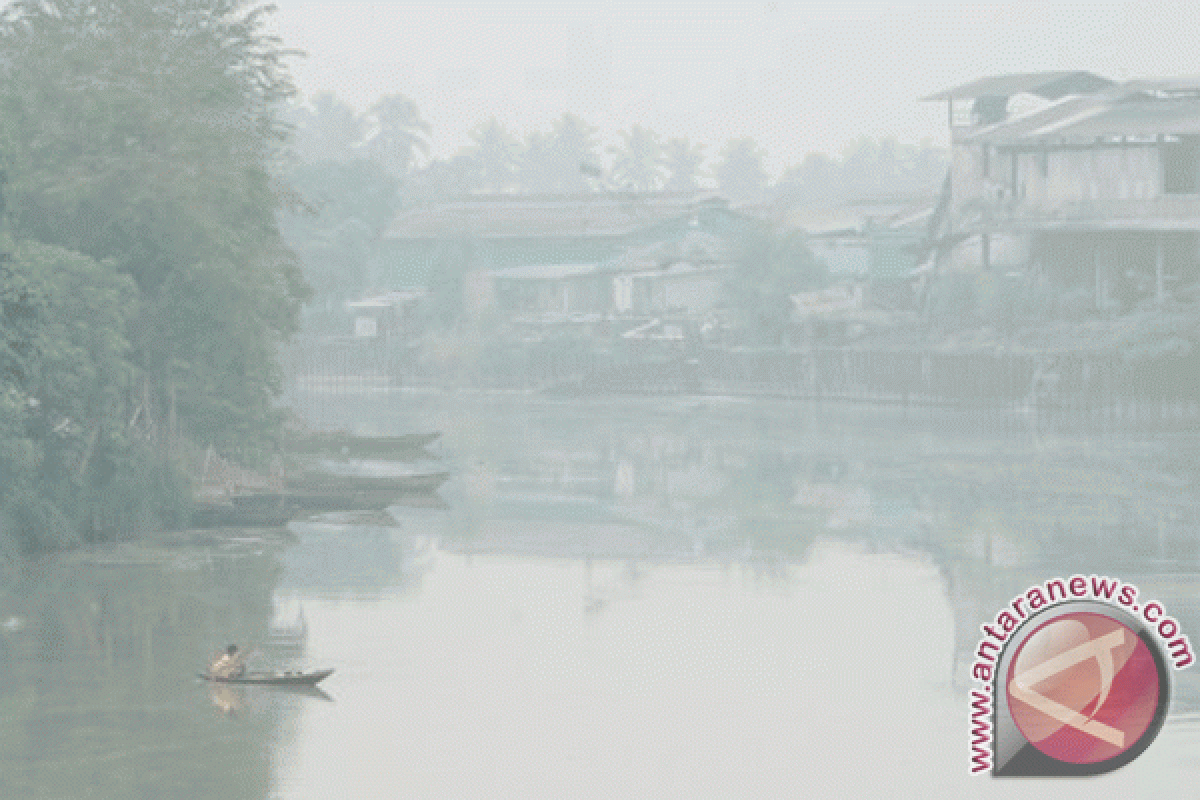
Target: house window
pixel 365 327
pixel 960 112
pixel 1181 164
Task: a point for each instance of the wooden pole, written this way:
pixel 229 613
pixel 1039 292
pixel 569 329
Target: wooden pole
pixel 1158 268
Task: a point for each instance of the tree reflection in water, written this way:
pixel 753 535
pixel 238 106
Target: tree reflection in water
pixel 99 696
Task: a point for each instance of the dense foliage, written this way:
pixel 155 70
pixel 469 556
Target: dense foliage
pixel 146 284
pixel 771 266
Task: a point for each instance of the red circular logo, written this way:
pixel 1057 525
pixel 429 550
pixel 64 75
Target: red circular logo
pixel 1083 688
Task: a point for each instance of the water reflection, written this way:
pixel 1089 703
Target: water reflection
pixel 658 484
pixel 668 598
pixel 98 695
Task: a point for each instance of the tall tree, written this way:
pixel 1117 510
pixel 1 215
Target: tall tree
pixel 682 160
pixel 770 266
pixel 557 162
pixel 861 167
pixel 346 208
pixel 817 179
pixel 639 161
pixel 535 165
pixel 397 136
pixel 442 179
pixel 144 135
pixel 574 145
pixel 740 172
pixel 496 152
pixel 329 130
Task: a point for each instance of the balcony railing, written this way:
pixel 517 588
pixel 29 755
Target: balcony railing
pixel 1001 210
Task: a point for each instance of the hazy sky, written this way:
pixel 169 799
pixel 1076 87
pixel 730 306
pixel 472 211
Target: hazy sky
pixel 796 77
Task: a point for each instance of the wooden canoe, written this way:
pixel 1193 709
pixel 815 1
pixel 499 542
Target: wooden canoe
pixel 275 678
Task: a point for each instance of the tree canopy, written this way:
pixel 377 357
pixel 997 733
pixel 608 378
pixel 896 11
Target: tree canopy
pixel 141 145
pixel 740 172
pixel 639 162
pixel 771 266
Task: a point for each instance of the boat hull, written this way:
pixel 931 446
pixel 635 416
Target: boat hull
pixel 275 678
pixel 357 446
pixel 398 484
pixel 317 497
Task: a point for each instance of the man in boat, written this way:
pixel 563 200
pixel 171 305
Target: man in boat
pixel 229 664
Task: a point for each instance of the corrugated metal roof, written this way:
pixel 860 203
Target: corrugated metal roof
pixel 694 246
pixel 543 272
pixel 1141 120
pixel 1013 128
pixel 579 215
pixel 1050 85
pixel 817 221
pixel 1140 109
pixel 852 219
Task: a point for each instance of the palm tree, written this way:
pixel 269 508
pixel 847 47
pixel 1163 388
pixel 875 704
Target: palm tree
pixel 329 131
pixel 554 162
pixel 740 173
pixel 639 162
pixel 574 143
pixel 397 134
pixel 496 152
pixel 682 160
pixel 535 169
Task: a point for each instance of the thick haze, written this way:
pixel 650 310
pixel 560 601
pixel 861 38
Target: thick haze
pixel 795 77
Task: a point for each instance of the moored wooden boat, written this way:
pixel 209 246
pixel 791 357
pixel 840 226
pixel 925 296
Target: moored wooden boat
pixel 400 484
pixel 275 678
pixel 208 514
pixel 335 497
pixel 358 446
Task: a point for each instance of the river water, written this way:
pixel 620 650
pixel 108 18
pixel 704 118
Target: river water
pixel 610 599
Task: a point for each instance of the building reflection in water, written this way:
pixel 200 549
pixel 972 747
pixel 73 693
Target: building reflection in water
pixel 689 481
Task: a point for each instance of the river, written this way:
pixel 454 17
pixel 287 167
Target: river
pixel 613 598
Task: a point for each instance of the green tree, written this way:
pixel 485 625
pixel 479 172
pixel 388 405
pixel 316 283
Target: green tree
pixel 740 172
pixel 682 160
pixel 325 130
pixel 397 135
pixel 639 161
pixel 336 234
pixel 144 135
pixel 771 266
pixel 535 164
pixel 817 180
pixel 442 179
pixel 69 459
pixel 496 152
pixel 552 162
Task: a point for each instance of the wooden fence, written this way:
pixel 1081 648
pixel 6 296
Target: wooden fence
pixel 1074 388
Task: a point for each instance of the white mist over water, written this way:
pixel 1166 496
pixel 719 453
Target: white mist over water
pixel 829 678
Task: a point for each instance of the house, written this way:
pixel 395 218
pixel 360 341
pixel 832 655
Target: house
pixel 548 289
pixel 873 243
pixel 385 315
pixel 480 234
pixel 1094 185
pixel 547 257
pixel 683 275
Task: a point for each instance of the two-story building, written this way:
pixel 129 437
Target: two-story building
pixel 1093 183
